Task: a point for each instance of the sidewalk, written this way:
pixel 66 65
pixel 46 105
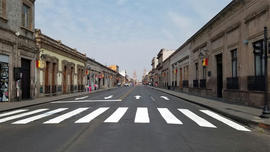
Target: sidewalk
pixel 244 114
pixel 7 106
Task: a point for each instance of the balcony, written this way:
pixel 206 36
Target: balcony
pixel 232 83
pixel 195 83
pixel 203 83
pixel 256 83
pixel 185 84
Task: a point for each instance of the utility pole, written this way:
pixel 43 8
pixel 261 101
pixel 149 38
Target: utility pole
pixel 266 110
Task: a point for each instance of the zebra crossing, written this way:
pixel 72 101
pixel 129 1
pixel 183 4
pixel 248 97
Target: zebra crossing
pixel 142 116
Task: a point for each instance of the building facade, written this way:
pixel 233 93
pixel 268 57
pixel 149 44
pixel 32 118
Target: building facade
pixel 18 53
pixel 225 58
pixel 61 69
pixel 99 76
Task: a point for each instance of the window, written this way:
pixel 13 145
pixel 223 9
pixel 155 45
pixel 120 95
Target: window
pixel 197 72
pixel 2 8
pixel 26 16
pixel 234 63
pixel 258 58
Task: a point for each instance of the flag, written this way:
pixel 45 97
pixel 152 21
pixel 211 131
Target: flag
pixel 205 62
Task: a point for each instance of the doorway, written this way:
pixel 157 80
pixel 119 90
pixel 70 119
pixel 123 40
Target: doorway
pixel 219 76
pixel 25 83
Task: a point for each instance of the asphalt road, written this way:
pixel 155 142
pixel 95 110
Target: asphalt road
pixel 115 121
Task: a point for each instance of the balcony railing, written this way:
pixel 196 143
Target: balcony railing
pixel 195 83
pixel 256 83
pixel 203 83
pixel 47 89
pixel 185 84
pixel 232 83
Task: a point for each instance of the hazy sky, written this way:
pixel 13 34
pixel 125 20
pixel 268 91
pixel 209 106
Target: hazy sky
pixel 128 33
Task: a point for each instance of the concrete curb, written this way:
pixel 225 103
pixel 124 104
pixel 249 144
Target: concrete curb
pixel 51 100
pixel 244 121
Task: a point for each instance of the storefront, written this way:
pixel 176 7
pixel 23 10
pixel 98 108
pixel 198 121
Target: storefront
pixel 4 77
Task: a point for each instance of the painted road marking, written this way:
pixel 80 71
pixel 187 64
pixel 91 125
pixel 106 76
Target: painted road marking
pixel 92 115
pixel 153 98
pixel 168 116
pixel 109 97
pixel 200 121
pixel 81 98
pixel 142 115
pixel 117 115
pixel 85 101
pixel 137 97
pixel 31 119
pixel 21 115
pixel 225 120
pixel 65 116
pixel 165 98
pixel 12 112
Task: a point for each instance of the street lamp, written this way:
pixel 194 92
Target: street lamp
pixel 266 110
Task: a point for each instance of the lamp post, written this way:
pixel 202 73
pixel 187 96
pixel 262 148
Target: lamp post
pixel 266 110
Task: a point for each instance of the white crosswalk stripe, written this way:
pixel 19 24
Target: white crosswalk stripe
pixel 92 115
pixel 65 116
pixel 117 115
pixel 142 115
pixel 12 112
pixel 200 121
pixel 31 119
pixel 225 120
pixel 21 115
pixel 168 116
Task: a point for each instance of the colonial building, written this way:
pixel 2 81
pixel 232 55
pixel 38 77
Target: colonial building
pixel 61 68
pixel 225 58
pixel 99 76
pixel 161 71
pixel 18 53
